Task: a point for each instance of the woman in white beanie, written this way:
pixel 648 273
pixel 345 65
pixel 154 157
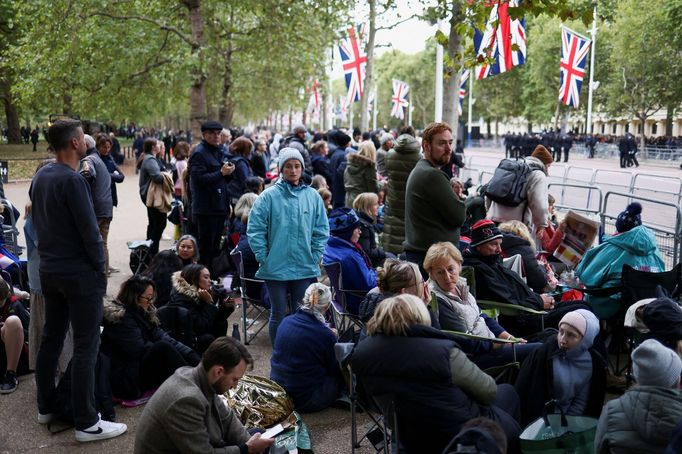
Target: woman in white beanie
pixel 643 419
pixel 303 360
pixel 288 231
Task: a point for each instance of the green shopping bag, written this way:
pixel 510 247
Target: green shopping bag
pixel 559 434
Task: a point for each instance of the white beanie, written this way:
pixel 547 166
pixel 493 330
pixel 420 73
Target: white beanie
pixel 287 154
pixel 654 364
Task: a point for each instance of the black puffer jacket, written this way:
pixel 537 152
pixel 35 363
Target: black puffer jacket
pixel 536 277
pixel 368 240
pixel 128 335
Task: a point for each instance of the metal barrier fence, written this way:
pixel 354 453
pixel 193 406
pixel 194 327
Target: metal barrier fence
pixel 588 191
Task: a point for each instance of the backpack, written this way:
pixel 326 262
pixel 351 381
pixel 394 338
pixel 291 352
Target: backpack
pixel 508 184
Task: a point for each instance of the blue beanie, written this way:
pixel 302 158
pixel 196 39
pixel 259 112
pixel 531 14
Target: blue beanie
pixel 342 222
pixel 630 218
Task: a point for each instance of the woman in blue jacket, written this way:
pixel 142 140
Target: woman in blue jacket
pixel 303 360
pixel 343 247
pixel 287 232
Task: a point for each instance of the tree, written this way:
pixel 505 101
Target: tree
pixel 8 37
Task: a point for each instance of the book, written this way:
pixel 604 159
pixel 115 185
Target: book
pixel 581 231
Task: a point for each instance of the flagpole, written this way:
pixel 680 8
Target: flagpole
pixel 409 109
pixel 374 108
pixel 439 80
pixel 329 108
pixel 588 129
pixel 350 113
pixel 472 76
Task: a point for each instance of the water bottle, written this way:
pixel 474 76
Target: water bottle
pixel 235 332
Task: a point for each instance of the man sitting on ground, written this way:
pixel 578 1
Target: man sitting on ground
pixel 186 414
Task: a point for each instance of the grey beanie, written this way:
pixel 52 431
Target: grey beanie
pixel 287 154
pixel 653 364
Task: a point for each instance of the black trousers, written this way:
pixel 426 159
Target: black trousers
pixel 157 223
pixel 209 229
pixel 159 363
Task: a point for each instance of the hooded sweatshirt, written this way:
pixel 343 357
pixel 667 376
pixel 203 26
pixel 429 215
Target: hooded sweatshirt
pixel 572 370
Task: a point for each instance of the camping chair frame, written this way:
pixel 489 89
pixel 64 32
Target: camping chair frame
pixel 251 307
pixel 140 249
pixel 344 321
pixel 10 232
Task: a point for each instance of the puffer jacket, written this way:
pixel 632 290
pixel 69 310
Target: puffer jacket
pixel 287 231
pixel 399 163
pixel 640 421
pixel 534 212
pixel 368 241
pixel 128 335
pixel 360 176
pixel 602 266
pixel 536 276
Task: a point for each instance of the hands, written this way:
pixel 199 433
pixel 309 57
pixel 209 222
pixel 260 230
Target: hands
pixel 227 169
pixel 562 226
pixel 548 301
pixel 256 444
pixel 205 296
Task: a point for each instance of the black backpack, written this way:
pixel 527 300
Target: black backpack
pixel 508 184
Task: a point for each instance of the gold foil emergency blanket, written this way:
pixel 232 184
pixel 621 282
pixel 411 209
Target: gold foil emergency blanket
pixel 259 402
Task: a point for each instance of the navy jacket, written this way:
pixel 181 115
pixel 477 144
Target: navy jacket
pixel 242 170
pixel 207 185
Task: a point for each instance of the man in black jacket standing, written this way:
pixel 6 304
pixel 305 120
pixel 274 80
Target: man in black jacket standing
pixel 73 280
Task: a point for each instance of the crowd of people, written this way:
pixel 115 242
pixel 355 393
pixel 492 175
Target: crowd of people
pixel 421 253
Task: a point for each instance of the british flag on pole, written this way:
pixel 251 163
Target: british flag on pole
pixel 354 60
pixel 399 98
pixel 463 79
pixel 574 50
pixel 314 101
pixel 503 40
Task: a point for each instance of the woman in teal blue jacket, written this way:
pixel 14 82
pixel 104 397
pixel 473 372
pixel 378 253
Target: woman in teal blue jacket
pixel 602 266
pixel 287 231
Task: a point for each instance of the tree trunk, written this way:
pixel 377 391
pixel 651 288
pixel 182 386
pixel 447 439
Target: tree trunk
pixel 197 93
pixel 642 121
pixel 669 112
pixel 452 72
pixel 13 125
pixel 369 78
pixel 225 111
pixel 67 104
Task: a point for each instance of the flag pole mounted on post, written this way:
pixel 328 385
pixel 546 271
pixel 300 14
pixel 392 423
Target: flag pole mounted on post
pixel 470 113
pixel 588 129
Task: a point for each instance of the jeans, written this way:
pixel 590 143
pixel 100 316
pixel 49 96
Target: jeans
pixel 157 222
pixel 209 229
pixel 103 224
pixel 281 304
pixel 75 298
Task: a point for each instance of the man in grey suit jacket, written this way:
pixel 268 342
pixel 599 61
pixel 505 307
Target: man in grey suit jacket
pixel 186 415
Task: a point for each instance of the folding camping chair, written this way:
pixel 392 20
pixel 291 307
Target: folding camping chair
pixel 344 321
pixel 254 308
pixel 140 255
pixel 10 232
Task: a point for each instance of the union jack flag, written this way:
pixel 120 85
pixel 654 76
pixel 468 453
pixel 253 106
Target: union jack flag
pixel 354 60
pixel 314 101
pixel 574 50
pixel 463 79
pixel 399 98
pixel 504 40
pixel 342 112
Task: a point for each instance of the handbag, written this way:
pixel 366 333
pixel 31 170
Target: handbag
pixel 558 434
pixel 175 215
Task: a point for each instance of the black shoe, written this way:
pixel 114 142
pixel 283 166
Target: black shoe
pixel 9 383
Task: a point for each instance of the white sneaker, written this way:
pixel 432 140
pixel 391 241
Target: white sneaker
pixel 102 430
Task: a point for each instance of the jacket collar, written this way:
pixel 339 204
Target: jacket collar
pixel 201 379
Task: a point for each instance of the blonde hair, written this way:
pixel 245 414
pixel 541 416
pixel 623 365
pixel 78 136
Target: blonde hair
pixel 519 229
pixel 396 275
pixel 364 203
pixel 243 206
pixel 441 251
pixel 393 316
pixel 325 193
pixel 368 150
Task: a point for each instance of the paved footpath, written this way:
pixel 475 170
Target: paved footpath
pixel 20 431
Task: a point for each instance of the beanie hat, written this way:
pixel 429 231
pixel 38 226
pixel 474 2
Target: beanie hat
pixel 483 232
pixel 343 220
pixel 576 320
pixel 287 154
pixel 656 365
pixel 543 155
pixel 630 218
pixel 339 137
pixel 211 125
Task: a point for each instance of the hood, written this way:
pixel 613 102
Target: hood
pixel 114 312
pixel 462 287
pixel 289 188
pixel 357 160
pixel 663 412
pixel 510 240
pixel 536 164
pixel 182 287
pixel 406 144
pixel 638 241
pixel 591 332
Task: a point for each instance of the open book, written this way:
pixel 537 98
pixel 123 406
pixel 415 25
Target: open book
pixel 581 232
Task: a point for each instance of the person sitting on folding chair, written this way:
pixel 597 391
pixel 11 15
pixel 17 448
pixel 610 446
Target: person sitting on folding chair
pixel 303 360
pixel 644 418
pixel 567 368
pixel 343 247
pixel 663 318
pixel 497 283
pixel 602 266
pixel 458 311
pixel 433 386
pixel 14 321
